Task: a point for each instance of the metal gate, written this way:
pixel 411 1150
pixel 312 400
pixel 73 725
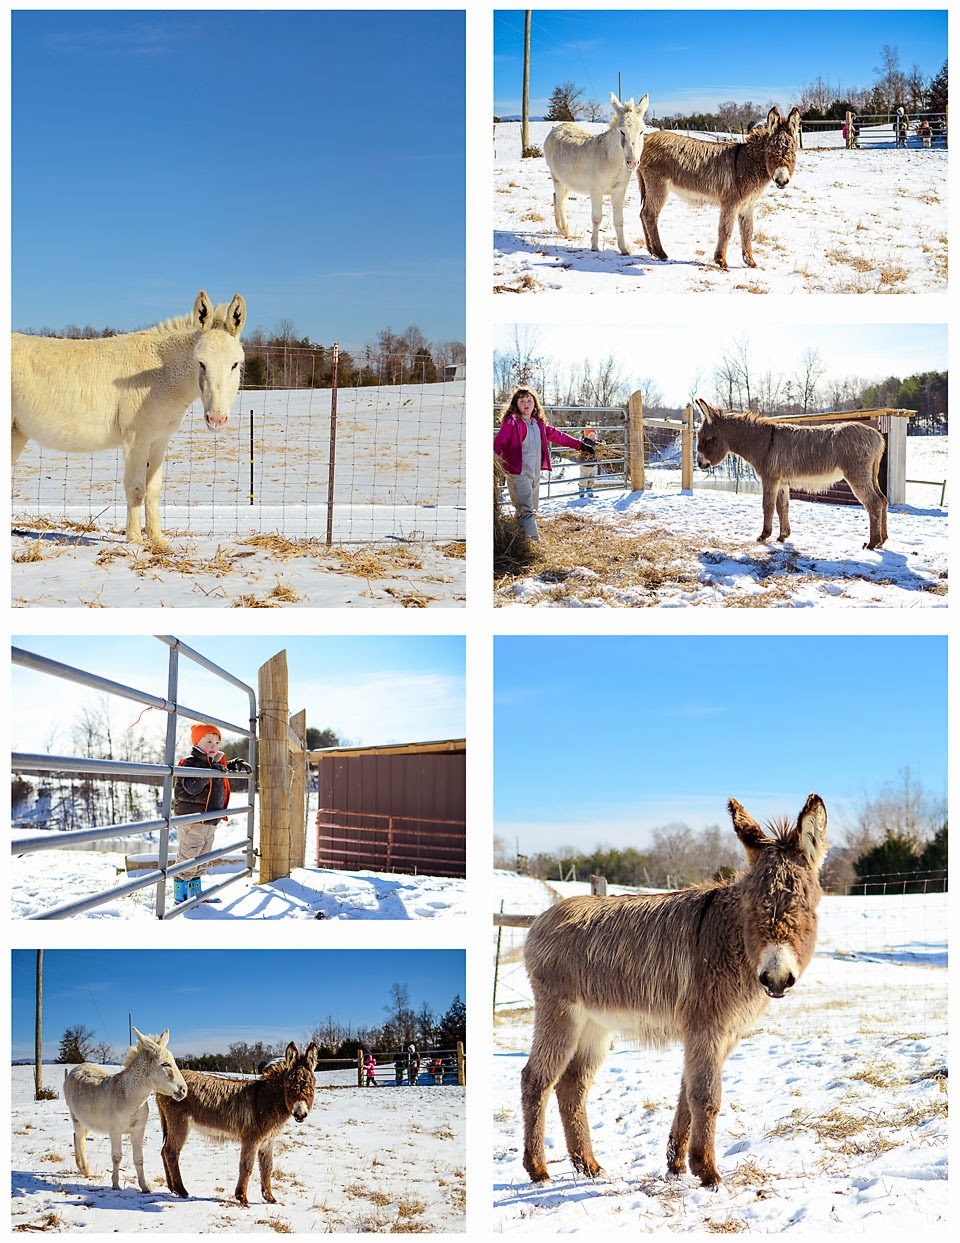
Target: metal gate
pixel 564 477
pixel 168 770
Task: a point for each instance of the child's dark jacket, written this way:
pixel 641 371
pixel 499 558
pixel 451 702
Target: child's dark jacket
pixel 195 793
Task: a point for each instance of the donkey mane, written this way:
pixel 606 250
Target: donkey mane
pixel 134 1051
pixel 184 323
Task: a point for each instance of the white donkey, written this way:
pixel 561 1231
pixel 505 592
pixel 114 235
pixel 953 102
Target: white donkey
pixel 596 164
pixel 131 390
pixel 116 1104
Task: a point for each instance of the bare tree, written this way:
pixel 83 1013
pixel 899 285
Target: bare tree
pixel 811 371
pixel 593 110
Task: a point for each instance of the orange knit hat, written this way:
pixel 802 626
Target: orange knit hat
pixel 200 730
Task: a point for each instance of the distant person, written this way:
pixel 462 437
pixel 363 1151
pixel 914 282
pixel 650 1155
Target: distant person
pixel 522 446
pixel 370 1068
pixel 855 123
pixel 588 464
pixel 436 1069
pixel 902 125
pixel 400 1067
pixel 924 132
pixel 413 1065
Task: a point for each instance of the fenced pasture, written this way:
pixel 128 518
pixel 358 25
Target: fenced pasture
pixel 368 461
pixel 862 221
pixel 362 1162
pixel 834 1107
pixel 875 131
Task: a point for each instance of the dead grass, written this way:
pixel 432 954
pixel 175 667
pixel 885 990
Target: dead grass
pixel 731 1225
pixel 893 274
pixel 526 283
pixel 281 546
pixel 373 563
pixel 35 553
pixel 456 548
pixel 49 1221
pixel 570 544
pixel 277 1224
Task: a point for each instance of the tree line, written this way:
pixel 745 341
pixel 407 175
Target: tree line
pixel 738 382
pixel 337 1045
pixel 892 87
pixel 899 832
pixel 284 358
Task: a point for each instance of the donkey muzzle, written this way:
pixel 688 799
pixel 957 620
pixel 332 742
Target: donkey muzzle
pixel 781 177
pixel 215 421
pixel 300 1111
pixel 778 970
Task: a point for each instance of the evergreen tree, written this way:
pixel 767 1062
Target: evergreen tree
pixel 565 100
pixel 76 1044
pixel 937 95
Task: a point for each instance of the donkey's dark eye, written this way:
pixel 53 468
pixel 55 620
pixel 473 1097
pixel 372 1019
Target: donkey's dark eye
pixel 203 366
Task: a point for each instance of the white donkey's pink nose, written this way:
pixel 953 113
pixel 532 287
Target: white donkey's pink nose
pixel 216 421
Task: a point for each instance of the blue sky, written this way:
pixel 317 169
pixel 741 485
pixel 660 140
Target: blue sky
pixel 663 353
pixel 211 998
pixel 604 739
pixel 369 689
pixel 692 60
pixel 312 161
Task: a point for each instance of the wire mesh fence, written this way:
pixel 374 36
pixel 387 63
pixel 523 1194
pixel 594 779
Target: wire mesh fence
pixel 370 450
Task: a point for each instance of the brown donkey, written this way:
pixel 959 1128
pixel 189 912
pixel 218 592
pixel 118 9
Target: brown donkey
pixel 697 966
pixel 733 174
pixel 811 458
pixel 251 1110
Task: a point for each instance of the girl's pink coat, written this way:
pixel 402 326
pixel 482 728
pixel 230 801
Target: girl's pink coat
pixel 508 443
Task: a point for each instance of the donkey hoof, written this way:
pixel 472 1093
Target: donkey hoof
pixel 270 1199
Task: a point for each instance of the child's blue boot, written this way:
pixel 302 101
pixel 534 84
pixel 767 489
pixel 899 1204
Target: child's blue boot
pixel 196 889
pixel 181 890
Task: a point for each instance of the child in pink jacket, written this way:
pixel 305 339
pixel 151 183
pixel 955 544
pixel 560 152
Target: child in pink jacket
pixel 523 447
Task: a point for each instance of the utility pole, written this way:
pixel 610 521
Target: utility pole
pixel 38 1034
pixel 525 106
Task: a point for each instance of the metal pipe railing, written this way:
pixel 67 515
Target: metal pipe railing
pixel 168 772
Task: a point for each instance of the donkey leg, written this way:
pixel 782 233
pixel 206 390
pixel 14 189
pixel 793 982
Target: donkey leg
pixel 875 503
pixel 80 1147
pixel 135 487
pixel 572 1089
pixel 703 1062
pixel 116 1155
pixel 596 216
pixel 654 197
pixel 745 220
pixel 136 1143
pixel 560 208
pixel 154 481
pixel 555 1039
pixel 728 213
pixel 248 1153
pixel 617 198
pixel 679 1135
pixel 174 1137
pixel 265 1160
pixel 783 511
pixel 771 490
pixel 17 443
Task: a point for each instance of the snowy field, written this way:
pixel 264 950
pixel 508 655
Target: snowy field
pixel 399 517
pixel 867 221
pixel 834 1108
pixel 364 1161
pixel 309 893
pixel 707 554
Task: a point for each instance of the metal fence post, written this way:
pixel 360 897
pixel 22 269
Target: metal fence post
pixel 332 468
pixel 170 759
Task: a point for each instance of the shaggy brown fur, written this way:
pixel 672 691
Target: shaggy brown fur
pixel 253 1111
pixel 811 458
pixel 733 174
pixel 696 966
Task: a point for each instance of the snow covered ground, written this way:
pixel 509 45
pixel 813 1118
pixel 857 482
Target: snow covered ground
pixel 363 1161
pixel 834 1110
pixel 309 893
pixel 708 554
pixel 867 221
pixel 399 516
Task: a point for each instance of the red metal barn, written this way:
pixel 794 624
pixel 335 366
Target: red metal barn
pixel 398 808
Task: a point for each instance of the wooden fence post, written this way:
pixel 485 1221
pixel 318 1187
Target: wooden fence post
pixel 361 1080
pixel 274 770
pixel 298 791
pixel 461 1064
pixel 686 450
pixel 635 441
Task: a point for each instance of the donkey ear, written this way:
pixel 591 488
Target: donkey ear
pixel 642 105
pixel 311 1055
pixel 200 316
pixel 615 103
pixel 162 1040
pixel 812 824
pixel 138 1035
pixel 236 315
pixel 708 412
pixel 752 837
pixel 773 119
pixel 793 121
pixel 291 1053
